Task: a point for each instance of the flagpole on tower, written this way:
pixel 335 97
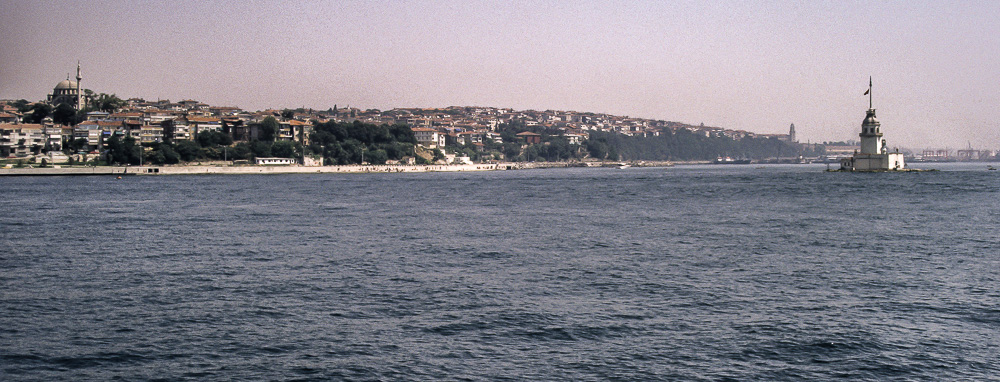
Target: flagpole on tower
pixel 869 92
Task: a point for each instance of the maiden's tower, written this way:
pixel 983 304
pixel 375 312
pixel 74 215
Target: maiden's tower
pixel 874 155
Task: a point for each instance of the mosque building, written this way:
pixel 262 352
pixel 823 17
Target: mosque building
pixel 874 154
pixel 69 92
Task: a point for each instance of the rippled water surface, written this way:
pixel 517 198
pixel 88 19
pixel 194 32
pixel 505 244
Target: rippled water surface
pixel 689 273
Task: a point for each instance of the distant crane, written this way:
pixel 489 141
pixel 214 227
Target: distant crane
pixel 970 154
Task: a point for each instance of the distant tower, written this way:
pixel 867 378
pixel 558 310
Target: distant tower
pixel 873 155
pixel 791 133
pixel 79 94
pixel 871 133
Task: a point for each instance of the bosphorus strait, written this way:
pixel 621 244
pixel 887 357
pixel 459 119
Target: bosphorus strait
pixel 696 273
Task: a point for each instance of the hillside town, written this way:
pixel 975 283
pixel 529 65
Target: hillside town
pixel 44 128
pixel 433 127
pixel 73 121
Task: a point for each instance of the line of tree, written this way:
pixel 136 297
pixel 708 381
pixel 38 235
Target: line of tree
pixel 65 113
pixel 343 143
pixel 339 143
pixel 208 145
pixel 684 145
pixel 554 146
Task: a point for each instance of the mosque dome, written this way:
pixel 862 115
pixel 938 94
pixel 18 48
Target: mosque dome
pixel 66 85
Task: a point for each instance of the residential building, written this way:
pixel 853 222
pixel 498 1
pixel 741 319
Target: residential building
pixel 21 140
pixel 428 137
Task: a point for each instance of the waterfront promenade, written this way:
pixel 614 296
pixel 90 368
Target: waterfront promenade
pixel 236 170
pixel 222 169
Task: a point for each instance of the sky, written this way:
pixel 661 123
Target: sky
pixel 747 65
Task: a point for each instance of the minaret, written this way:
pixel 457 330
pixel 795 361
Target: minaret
pixel 791 133
pixel 79 94
pixel 871 133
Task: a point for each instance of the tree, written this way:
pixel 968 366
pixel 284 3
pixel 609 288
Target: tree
pixel 613 153
pixel 188 150
pixel 268 129
pixel 169 155
pixel 260 149
pixel 343 143
pixel 403 133
pixel 64 114
pixel 511 150
pixel 283 149
pixel 107 103
pixel 376 157
pixel 74 145
pixel 37 113
pixel 352 151
pixel 287 114
pixel 22 105
pixel 597 149
pixel 162 153
pixel 123 151
pixel 241 151
pixel 214 138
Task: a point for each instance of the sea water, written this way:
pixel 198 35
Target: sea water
pixel 696 273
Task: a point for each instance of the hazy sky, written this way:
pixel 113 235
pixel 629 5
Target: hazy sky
pixel 756 66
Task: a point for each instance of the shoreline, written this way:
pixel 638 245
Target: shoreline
pixel 238 170
pixel 221 169
pixel 228 169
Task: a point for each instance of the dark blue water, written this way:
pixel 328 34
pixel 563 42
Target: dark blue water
pixel 710 273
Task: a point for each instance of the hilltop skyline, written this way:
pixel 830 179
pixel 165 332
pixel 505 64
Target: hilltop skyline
pixel 748 67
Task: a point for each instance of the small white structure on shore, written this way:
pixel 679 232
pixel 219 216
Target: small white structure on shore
pixel 874 155
pixel 275 161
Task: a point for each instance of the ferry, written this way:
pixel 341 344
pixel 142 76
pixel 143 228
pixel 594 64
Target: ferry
pixel 728 160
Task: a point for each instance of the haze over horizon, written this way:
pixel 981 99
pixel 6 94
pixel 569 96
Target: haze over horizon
pixel 756 66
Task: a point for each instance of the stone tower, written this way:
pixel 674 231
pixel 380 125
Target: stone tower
pixel 871 133
pixel 873 155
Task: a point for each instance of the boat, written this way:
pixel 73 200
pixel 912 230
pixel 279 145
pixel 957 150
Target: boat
pixel 729 160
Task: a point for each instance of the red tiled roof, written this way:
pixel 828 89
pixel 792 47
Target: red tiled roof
pixel 203 120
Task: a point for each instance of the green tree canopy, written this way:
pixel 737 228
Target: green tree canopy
pixel 283 149
pixel 22 105
pixel 268 129
pixel 37 113
pixel 188 150
pixel 343 143
pixel 107 103
pixel 685 145
pixel 123 151
pixel 64 114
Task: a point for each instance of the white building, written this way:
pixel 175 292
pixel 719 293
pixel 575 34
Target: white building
pixel 275 161
pixel 20 140
pixel 89 131
pixel 429 138
pixel 874 154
